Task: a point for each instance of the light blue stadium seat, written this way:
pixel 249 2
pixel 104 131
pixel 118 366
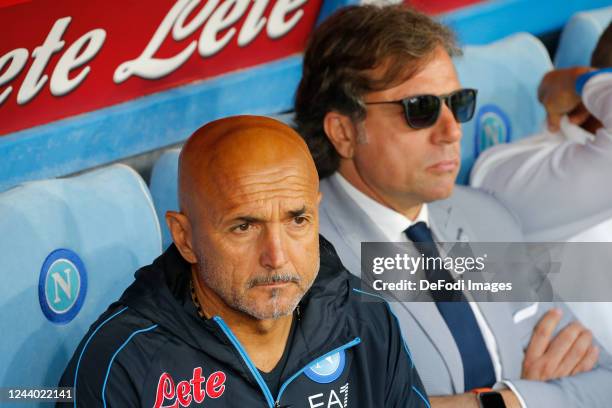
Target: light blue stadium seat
pixel 69 248
pixel 507 74
pixel 164 189
pixel 580 36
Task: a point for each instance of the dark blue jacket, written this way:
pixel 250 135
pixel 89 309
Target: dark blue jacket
pixel 150 349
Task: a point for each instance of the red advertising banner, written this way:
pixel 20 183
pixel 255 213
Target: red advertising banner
pixel 60 58
pixel 440 6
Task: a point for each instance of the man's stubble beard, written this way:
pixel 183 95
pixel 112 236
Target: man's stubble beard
pixel 239 300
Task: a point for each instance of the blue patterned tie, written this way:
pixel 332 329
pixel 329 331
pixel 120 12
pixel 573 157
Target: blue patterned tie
pixel 459 317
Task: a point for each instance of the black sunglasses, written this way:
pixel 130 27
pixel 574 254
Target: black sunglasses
pixel 422 111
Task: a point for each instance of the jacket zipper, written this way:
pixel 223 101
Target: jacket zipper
pixel 255 372
pixel 247 360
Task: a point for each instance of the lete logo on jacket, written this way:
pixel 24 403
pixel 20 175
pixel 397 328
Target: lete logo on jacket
pixel 188 391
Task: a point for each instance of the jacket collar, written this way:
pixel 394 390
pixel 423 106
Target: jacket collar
pixel 344 215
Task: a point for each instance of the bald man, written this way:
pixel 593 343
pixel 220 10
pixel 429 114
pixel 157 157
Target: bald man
pixel 249 307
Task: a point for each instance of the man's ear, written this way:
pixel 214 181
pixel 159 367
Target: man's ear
pixel 341 133
pixel 180 229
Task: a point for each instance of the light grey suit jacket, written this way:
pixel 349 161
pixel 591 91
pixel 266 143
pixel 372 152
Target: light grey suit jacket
pixel 474 216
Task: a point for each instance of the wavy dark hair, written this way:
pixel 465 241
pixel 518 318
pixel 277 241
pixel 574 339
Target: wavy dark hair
pixel 340 57
pixel 602 55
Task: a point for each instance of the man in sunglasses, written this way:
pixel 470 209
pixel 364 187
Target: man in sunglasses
pixel 380 106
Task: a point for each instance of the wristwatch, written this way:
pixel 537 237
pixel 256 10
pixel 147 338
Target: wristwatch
pixel 488 398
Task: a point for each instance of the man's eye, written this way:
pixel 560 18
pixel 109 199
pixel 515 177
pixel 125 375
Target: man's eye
pixel 299 220
pixel 242 227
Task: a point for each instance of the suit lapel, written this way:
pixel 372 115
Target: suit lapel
pixel 428 317
pixel 352 223
pixel 446 223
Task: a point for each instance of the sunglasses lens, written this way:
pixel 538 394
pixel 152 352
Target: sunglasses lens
pixel 463 104
pixel 422 111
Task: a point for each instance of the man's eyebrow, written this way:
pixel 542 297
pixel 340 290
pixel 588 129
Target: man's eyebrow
pixel 297 213
pixel 252 219
pixel 247 218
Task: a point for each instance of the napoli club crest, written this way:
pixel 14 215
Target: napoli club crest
pixel 492 128
pixel 62 286
pixel 327 369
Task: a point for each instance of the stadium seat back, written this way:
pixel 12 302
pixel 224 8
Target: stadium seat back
pixel 507 74
pixel 164 189
pixel 69 248
pixel 580 36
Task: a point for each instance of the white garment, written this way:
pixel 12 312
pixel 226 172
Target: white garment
pixel 565 173
pixel 533 177
pixel 393 225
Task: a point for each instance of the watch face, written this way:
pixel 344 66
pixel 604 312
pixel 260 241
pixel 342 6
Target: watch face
pixel 491 400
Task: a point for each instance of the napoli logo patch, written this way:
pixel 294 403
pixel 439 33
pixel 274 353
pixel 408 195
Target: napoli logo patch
pixel 327 369
pixel 492 128
pixel 62 286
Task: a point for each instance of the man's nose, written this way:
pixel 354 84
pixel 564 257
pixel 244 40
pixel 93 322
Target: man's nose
pixel 273 252
pixel 446 129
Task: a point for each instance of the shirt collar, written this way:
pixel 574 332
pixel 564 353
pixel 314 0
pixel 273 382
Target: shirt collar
pixel 392 223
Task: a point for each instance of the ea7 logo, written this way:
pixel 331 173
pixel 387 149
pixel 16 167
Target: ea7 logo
pixel 187 391
pixel 333 399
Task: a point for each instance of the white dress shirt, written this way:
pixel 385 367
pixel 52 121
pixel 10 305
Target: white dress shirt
pixel 393 225
pixel 565 171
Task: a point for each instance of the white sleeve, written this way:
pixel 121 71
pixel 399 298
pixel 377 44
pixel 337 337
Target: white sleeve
pixel 597 97
pixel 557 187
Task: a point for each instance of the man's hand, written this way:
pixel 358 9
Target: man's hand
pixel 557 92
pixel 570 352
pixel 469 400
